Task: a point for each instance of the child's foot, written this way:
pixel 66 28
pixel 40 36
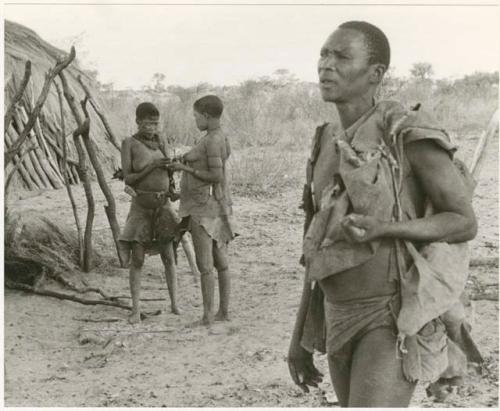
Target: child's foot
pixel 175 310
pixel 221 316
pixel 198 323
pixel 134 318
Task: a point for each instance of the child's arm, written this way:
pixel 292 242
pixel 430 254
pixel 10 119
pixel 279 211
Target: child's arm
pixel 215 173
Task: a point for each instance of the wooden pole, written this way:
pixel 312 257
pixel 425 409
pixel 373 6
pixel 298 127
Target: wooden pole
pixel 31 184
pixel 66 179
pixel 59 67
pixel 110 209
pixel 19 94
pixel 54 176
pixel 32 155
pixel 16 167
pixel 83 127
pixel 100 114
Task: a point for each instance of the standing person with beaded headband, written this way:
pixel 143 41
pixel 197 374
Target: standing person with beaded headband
pixel 206 206
pixel 388 216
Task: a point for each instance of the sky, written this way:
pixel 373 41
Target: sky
pixel 227 44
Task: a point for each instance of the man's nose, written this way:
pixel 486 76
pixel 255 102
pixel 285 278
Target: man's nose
pixel 327 63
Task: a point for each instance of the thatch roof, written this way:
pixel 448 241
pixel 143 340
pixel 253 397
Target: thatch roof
pixel 22 44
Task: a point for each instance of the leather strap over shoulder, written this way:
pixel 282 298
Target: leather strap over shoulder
pixel 316 146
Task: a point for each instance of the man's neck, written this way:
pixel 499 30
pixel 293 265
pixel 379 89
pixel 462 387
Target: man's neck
pixel 350 112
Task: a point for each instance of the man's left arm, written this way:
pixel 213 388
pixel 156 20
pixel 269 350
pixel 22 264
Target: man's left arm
pixel 453 220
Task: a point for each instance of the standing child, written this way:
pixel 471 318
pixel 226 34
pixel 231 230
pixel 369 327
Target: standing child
pixel 151 222
pixel 205 204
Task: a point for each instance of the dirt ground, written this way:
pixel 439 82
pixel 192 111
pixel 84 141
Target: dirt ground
pixel 55 357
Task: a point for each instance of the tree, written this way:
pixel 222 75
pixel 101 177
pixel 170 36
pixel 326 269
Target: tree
pixel 422 71
pixel 157 83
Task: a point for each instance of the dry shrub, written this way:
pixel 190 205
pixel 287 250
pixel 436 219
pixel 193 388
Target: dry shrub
pixel 34 238
pixel 266 171
pixel 270 123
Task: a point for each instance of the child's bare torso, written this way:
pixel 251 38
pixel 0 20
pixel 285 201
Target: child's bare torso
pixel 142 156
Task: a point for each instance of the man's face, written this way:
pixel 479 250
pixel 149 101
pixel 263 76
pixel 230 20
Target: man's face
pixel 201 120
pixel 343 67
pixel 149 125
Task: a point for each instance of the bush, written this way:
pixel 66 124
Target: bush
pixel 270 121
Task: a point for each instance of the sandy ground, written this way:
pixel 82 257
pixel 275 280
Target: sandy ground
pixel 55 357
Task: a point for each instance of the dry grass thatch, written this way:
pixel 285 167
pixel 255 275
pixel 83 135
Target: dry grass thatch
pixel 22 44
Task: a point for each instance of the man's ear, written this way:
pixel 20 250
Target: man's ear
pixel 206 115
pixel 377 72
pixel 137 121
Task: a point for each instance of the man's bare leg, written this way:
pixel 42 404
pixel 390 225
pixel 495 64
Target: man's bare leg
pixel 221 263
pixel 340 373
pixel 204 260
pixel 187 245
pixel 167 257
pixel 377 378
pixel 135 281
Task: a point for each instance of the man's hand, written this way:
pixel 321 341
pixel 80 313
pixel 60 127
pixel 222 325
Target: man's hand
pixel 361 228
pixel 302 369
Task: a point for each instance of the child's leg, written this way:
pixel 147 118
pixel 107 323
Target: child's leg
pixel 135 281
pixel 221 264
pixel 167 257
pixel 187 245
pixel 124 250
pixel 377 378
pixel 204 260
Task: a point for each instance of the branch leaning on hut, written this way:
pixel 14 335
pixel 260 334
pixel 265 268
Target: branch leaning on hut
pixel 19 94
pixel 100 114
pixel 39 133
pixel 83 128
pixel 59 67
pixel 110 209
pixel 66 178
pixel 16 167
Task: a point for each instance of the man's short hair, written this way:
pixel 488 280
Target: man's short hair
pixel 144 110
pixel 376 40
pixel 211 104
